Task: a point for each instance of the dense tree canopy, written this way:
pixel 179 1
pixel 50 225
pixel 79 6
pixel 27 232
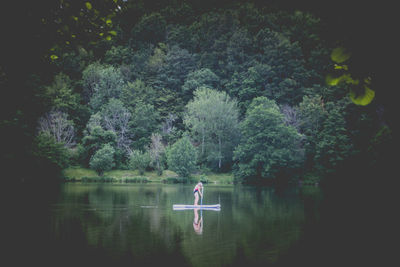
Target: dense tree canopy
pixel 268 148
pixel 112 74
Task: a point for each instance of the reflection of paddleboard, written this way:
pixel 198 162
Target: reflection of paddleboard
pixel 203 207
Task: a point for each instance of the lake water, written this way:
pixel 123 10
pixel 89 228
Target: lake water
pixel 135 225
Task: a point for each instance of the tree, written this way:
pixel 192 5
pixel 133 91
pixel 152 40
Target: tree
pixel 179 35
pixel 268 148
pixel 150 29
pixel 55 123
pixel 116 118
pixel 49 153
pixel 212 117
pixel 159 56
pixel 90 78
pixel 291 116
pixel 118 55
pixel 143 123
pixel 199 78
pixel 156 152
pixel 333 145
pixel 139 160
pixel 312 114
pixel 240 51
pixel 157 59
pixel 95 137
pixel 138 91
pixel 103 159
pixel 210 38
pixel 182 156
pixel 60 94
pixel 287 66
pixel 171 76
pixel 170 133
pixel 101 83
pixel 138 68
pixel 256 81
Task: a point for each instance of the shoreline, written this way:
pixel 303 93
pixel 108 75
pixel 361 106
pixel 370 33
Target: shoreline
pixel 79 174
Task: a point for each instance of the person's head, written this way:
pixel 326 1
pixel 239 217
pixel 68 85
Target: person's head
pixel 200 184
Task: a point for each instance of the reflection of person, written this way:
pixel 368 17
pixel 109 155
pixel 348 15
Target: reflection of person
pixel 198 192
pixel 197 223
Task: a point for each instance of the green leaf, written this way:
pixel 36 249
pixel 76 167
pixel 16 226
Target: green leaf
pixel 363 99
pixel 340 55
pixel 113 33
pixel 108 22
pixel 331 80
pixel 341 67
pixel 88 5
pixel 53 57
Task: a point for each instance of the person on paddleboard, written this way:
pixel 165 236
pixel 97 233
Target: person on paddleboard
pixel 198 192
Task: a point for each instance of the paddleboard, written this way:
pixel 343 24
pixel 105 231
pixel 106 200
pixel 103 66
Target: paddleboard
pixel 204 207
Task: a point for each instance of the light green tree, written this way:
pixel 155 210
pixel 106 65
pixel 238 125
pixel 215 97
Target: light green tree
pixel 213 119
pixel 157 151
pixel 116 118
pixel 139 160
pixel 182 156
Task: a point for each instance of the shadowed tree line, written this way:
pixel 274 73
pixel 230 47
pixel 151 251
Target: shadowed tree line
pixel 266 90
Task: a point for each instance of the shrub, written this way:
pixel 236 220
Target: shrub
pixel 139 161
pixel 103 160
pixel 181 157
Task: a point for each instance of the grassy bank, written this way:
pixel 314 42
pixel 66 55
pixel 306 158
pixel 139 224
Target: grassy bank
pixel 120 176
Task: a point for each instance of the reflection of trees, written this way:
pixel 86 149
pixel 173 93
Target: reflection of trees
pixel 112 220
pixel 270 224
pixel 254 225
pixel 257 228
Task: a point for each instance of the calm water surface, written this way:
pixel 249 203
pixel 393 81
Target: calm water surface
pixel 135 225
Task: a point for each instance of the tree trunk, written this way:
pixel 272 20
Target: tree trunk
pixel 219 152
pixel 202 143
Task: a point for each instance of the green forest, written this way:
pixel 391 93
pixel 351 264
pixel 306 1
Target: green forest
pixel 264 91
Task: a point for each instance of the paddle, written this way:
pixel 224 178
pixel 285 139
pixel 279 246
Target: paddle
pixel 201 203
pixel 202 192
